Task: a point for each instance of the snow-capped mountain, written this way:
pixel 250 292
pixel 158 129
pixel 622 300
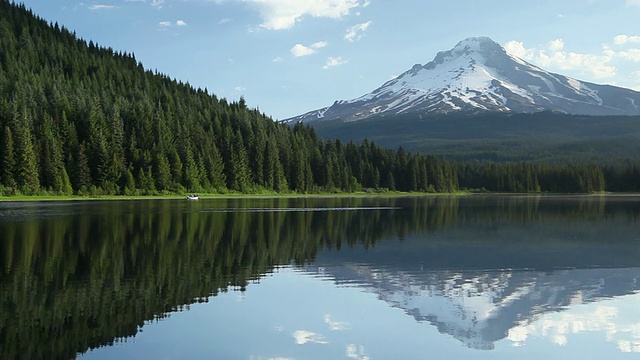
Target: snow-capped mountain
pixel 481 307
pixel 479 75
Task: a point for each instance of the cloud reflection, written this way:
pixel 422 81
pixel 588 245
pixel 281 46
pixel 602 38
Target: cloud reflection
pixel 303 337
pixel 356 352
pixel 335 325
pixel 558 327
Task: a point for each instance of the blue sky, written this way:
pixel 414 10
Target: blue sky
pixel 287 57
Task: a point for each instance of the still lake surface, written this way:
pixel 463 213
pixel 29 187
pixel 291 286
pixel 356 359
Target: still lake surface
pixel 471 277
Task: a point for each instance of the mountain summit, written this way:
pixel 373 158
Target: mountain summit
pixel 479 75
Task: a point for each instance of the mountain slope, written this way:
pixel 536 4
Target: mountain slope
pixel 540 137
pixel 77 118
pixel 479 75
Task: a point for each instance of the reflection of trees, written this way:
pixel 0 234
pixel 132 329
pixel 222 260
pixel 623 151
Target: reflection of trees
pixel 71 283
pixel 74 282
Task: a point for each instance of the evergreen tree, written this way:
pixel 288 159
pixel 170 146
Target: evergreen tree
pixel 8 165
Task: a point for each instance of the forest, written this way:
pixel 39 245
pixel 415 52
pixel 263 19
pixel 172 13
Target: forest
pixel 541 137
pixel 80 118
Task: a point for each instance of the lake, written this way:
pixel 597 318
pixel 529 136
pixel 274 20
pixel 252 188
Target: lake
pixel 470 277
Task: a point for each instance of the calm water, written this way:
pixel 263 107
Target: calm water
pixel 350 278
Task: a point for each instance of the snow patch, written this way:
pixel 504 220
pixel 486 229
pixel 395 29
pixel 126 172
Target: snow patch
pixel 550 85
pixel 577 85
pixel 321 113
pixel 591 93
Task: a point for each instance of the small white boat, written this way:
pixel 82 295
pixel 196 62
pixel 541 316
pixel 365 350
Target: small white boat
pixel 192 197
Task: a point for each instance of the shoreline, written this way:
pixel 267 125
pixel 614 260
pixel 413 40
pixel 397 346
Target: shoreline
pixel 47 198
pixel 216 196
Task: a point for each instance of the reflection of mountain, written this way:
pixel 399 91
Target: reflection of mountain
pixel 480 307
pixel 483 276
pixel 75 276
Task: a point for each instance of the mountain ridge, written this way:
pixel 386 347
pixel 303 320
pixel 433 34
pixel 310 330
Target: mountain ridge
pixel 478 75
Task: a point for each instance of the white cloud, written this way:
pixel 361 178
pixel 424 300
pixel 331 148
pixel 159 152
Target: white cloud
pixel 356 32
pixel 633 2
pixel 366 3
pixel 224 21
pixel 300 50
pixel 625 39
pixel 101 7
pixel 302 337
pixel 169 23
pixel 335 61
pixel 595 65
pixel 631 54
pixel 517 48
pixel 556 45
pixel 283 14
pixel 278 59
pixel 319 44
pixel 157 3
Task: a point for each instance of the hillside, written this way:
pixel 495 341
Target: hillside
pixel 79 118
pixel 537 137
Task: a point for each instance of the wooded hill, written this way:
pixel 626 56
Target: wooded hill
pixel 78 118
pixel 502 137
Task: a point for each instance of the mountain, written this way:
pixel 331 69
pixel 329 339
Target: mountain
pixel 478 75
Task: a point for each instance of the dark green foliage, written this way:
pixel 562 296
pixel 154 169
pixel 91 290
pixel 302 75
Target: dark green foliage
pixel 85 119
pixel 7 164
pixel 532 178
pixel 538 137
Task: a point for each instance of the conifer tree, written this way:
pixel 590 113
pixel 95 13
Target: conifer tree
pixel 7 166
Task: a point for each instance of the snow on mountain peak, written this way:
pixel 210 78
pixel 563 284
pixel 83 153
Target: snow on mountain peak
pixel 478 75
pixel 481 45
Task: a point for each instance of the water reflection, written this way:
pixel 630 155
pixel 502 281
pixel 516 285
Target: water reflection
pixel 77 276
pixel 481 308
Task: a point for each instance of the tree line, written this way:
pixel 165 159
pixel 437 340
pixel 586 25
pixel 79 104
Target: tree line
pixel 79 118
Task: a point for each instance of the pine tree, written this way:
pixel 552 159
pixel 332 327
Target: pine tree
pixel 27 177
pixel 162 174
pixel 8 165
pixel 81 179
